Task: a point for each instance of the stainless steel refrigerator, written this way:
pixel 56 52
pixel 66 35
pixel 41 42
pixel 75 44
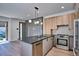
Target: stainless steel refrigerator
pixel 76 37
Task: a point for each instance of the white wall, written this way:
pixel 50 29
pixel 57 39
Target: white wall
pixel 14 31
pixel 13 24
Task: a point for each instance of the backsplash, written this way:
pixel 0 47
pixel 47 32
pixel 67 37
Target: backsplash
pixel 63 30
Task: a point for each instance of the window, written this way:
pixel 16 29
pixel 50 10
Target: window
pixel 3 32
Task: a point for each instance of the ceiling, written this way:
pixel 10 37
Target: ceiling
pixel 27 11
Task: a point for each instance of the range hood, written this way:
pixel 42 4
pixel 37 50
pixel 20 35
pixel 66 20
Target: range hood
pixel 63 29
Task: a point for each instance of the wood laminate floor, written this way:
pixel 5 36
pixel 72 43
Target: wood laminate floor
pixel 15 49
pixel 10 49
pixel 59 52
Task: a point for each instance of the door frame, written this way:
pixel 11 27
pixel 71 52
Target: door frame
pixel 19 30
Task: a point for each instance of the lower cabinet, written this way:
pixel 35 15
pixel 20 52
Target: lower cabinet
pixel 47 45
pixel 37 49
pixel 50 43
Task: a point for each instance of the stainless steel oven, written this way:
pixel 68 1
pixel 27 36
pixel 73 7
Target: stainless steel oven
pixel 62 42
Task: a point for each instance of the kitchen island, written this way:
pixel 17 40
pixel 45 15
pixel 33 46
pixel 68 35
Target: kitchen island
pixel 37 45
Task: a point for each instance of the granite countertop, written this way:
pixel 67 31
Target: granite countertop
pixel 33 39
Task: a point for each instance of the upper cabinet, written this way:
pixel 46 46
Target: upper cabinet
pixel 65 19
pixel 59 20
pixel 72 17
pixel 47 26
pixel 71 20
pixel 76 15
pixel 52 22
pixel 62 20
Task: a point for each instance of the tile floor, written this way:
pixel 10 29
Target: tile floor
pixel 59 52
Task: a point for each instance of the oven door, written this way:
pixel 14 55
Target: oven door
pixel 62 42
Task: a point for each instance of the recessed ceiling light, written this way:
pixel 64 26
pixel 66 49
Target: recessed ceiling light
pixel 62 7
pixel 30 21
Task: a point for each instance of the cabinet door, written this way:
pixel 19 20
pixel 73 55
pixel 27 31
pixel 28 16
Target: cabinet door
pixel 59 20
pixel 71 20
pixel 54 23
pixel 47 24
pixel 50 43
pixel 44 26
pixel 45 46
pixel 76 15
pixel 37 49
pixel 65 20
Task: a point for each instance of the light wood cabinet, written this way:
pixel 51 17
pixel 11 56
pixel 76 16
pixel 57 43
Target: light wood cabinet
pixel 54 23
pixel 59 20
pixel 76 15
pixel 71 21
pixel 47 26
pixel 62 20
pixel 65 19
pixel 37 49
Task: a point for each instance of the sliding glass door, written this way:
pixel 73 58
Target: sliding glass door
pixel 3 31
